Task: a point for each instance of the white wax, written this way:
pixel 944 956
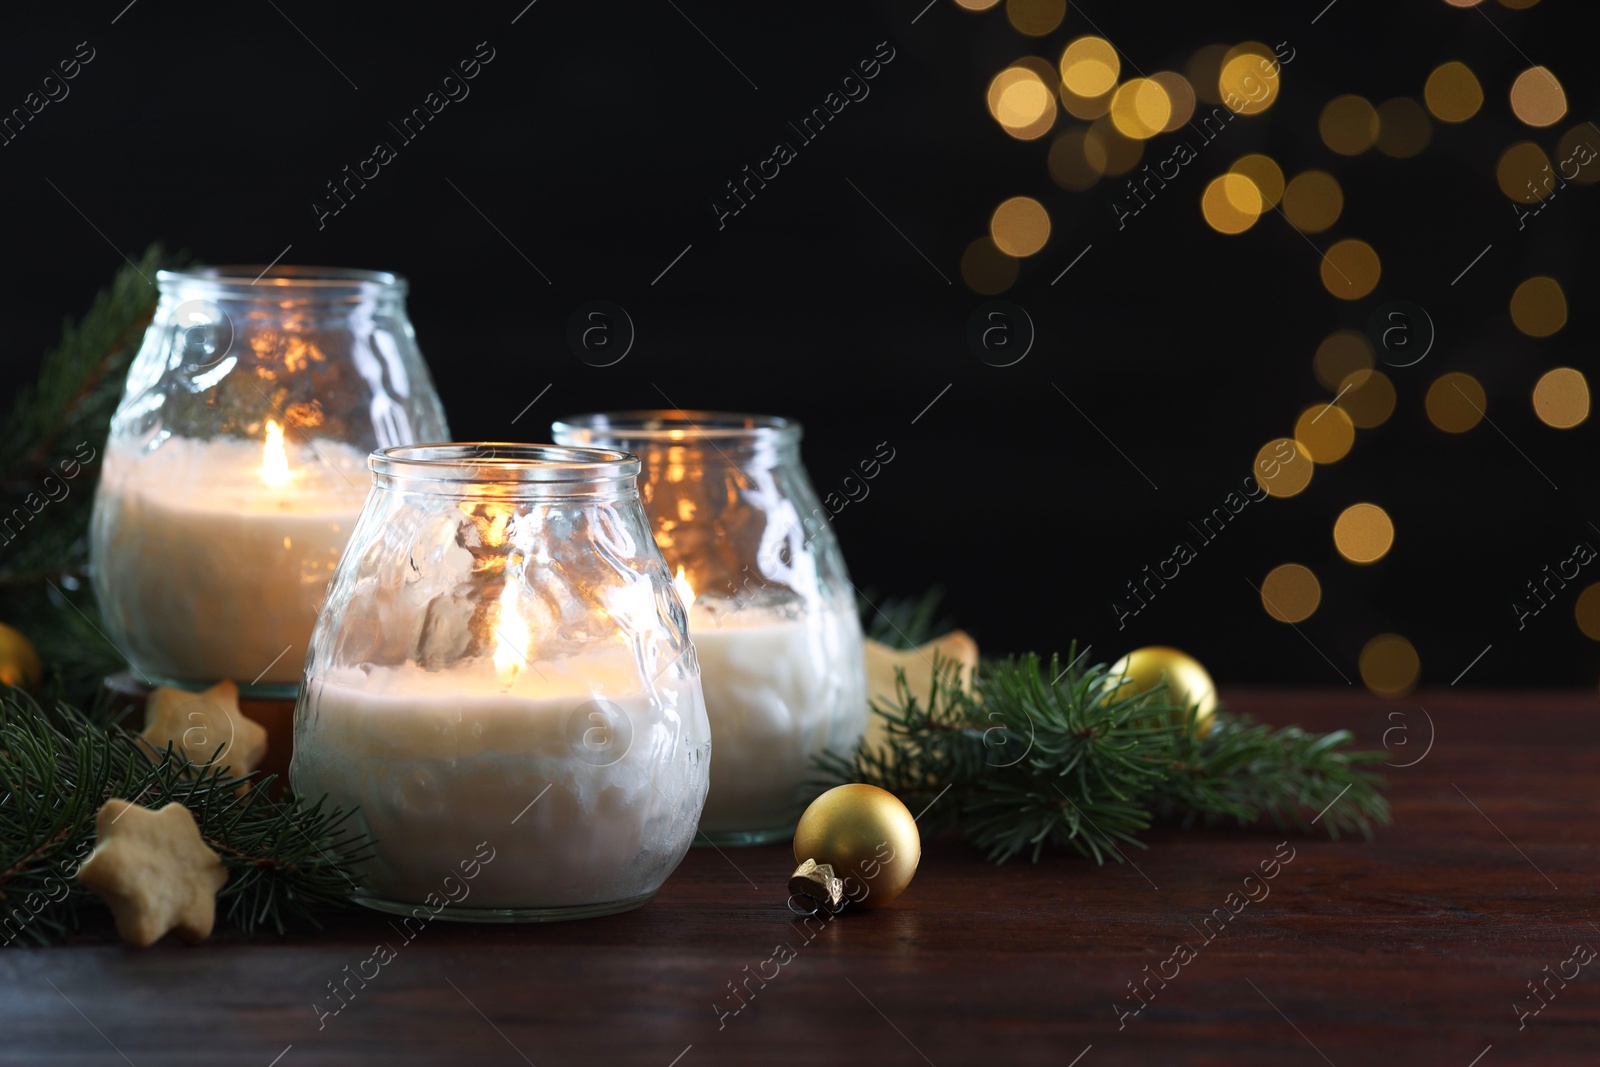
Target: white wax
pixel 778 692
pixel 205 571
pixel 441 761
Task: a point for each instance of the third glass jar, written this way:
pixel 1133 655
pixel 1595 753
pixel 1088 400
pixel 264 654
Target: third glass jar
pixel 772 611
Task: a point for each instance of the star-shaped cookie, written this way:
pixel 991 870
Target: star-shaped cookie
pixel 197 724
pixel 154 871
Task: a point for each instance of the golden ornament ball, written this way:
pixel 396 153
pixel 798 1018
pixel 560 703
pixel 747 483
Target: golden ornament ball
pixel 867 836
pixel 19 663
pixel 1188 684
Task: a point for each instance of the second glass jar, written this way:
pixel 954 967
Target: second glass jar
pixel 772 611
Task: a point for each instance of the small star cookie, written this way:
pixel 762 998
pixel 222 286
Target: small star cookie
pixel 154 871
pixel 198 724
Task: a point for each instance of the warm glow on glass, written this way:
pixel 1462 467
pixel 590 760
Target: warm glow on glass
pixel 1290 592
pixel 680 582
pixel 986 269
pixel 1140 108
pixel 1537 98
pixel 1180 98
pixel 1403 128
pixel 1453 93
pixel 1390 665
pixel 1278 475
pixel 1349 125
pixel 274 460
pixel 1325 432
pixel 1363 533
pixel 1231 203
pixel 1036 17
pixel 1069 163
pixel 1368 397
pixel 1561 398
pixel 1524 173
pixel 512 636
pixel 1264 174
pixel 1312 201
pixel 1020 226
pixel 1350 269
pixel 1341 354
pixel 1456 402
pixel 1539 307
pixel 1089 67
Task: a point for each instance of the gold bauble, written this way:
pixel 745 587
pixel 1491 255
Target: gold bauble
pixel 1188 684
pixel 867 836
pixel 19 663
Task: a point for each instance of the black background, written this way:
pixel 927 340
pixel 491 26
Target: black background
pixel 598 137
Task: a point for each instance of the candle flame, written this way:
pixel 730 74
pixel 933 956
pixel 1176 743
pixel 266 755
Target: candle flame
pixel 685 590
pixel 512 636
pixel 274 460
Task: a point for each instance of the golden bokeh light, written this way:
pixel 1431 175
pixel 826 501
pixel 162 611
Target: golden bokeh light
pixel 1368 397
pixel 1518 5
pixel 1537 98
pixel 1456 402
pixel 1390 665
pixel 1312 201
pixel 1036 17
pixel 1087 108
pixel 1231 203
pixel 1020 226
pixel 1463 3
pixel 1539 307
pixel 1264 174
pixel 977 5
pixel 1069 163
pixel 1110 152
pixel 1576 155
pixel 1403 128
pixel 1250 78
pixel 1587 609
pixel 986 269
pixel 1363 533
pixel 1021 102
pixel 1204 69
pixel 1089 67
pixel 1561 398
pixel 1350 269
pixel 1282 467
pixel 1180 98
pixel 1290 592
pixel 1140 108
pixel 1340 355
pixel 1325 432
pixel 1453 93
pixel 1349 125
pixel 1523 173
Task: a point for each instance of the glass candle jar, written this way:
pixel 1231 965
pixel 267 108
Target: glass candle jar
pixel 503 669
pixel 772 611
pixel 236 464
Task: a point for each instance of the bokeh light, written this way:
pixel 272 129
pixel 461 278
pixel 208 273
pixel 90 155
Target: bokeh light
pixel 1456 402
pixel 1250 78
pixel 1518 5
pixel 1587 610
pixel 1020 226
pixel 1036 17
pixel 1539 307
pixel 1069 162
pixel 1290 592
pixel 1282 467
pixel 1140 108
pixel 1341 354
pixel 1110 152
pixel 1576 155
pixel 1325 432
pixel 1313 200
pixel 1265 174
pixel 1403 128
pixel 1021 102
pixel 1453 93
pixel 1524 173
pixel 1363 533
pixel 1561 398
pixel 1350 269
pixel 1204 69
pixel 1463 3
pixel 1537 98
pixel 1180 98
pixel 1231 203
pixel 1368 397
pixel 986 269
pixel 977 5
pixel 1390 665
pixel 1349 125
pixel 1089 66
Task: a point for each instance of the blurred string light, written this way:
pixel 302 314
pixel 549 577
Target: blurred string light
pixel 1069 162
pixel 1277 477
pixel 1089 67
pixel 1522 173
pixel 1264 174
pixel 1390 665
pixel 1453 93
pixel 986 269
pixel 1325 432
pixel 1107 149
pixel 1539 307
pixel 1021 102
pixel 1036 17
pixel 1587 610
pixel 1250 79
pixel 1350 269
pixel 1349 125
pixel 1312 200
pixel 1456 402
pixel 1180 99
pixel 1204 69
pixel 1368 397
pixel 1579 152
pixel 1363 533
pixel 1290 592
pixel 1561 398
pixel 1403 128
pixel 1341 354
pixel 1140 108
pixel 1020 226
pixel 1231 203
pixel 977 5
pixel 1537 98
pixel 1518 5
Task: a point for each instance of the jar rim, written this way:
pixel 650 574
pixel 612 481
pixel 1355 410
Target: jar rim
pixel 504 462
pixel 262 279
pixel 679 426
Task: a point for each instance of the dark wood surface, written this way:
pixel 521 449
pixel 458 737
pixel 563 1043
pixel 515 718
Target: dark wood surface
pixel 1413 949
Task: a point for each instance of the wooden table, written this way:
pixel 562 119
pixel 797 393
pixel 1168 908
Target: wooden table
pixel 1415 949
